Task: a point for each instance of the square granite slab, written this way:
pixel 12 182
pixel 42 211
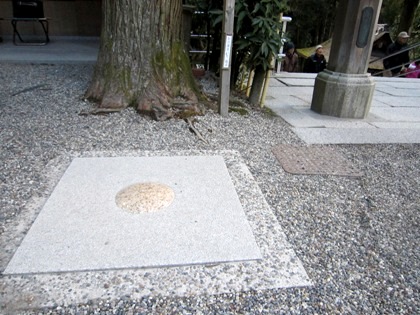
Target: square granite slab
pixel 219 235
pixel 81 227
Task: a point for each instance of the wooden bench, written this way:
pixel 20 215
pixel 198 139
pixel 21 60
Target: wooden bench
pixel 28 11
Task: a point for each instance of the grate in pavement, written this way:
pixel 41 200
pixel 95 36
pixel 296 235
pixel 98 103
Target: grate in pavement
pixel 314 160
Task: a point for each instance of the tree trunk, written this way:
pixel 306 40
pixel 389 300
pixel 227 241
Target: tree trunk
pixel 257 85
pixel 142 62
pixel 408 12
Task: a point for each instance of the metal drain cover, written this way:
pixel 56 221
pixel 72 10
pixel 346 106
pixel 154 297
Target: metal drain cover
pixel 313 160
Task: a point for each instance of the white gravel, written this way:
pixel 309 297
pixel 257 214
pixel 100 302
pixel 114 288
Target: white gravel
pixel 357 237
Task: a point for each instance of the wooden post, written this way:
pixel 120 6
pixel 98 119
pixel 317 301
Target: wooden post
pixel 265 87
pixel 227 42
pixel 248 84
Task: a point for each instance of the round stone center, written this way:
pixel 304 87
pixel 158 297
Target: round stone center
pixel 144 197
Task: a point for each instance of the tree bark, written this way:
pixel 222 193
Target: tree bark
pixel 407 15
pixel 257 85
pixel 142 62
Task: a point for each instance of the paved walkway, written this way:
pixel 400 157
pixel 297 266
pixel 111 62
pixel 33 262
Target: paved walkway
pixel 394 116
pixel 67 49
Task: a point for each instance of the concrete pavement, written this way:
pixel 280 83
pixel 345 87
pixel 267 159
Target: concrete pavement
pixel 394 115
pixel 67 49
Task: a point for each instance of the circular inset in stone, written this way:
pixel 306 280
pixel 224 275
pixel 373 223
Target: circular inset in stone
pixel 145 197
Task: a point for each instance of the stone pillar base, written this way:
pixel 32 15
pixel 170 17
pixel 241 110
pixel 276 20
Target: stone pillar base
pixel 343 95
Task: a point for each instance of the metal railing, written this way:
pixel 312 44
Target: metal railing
pixel 408 48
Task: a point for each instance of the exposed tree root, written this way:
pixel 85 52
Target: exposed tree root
pixel 190 123
pixel 100 111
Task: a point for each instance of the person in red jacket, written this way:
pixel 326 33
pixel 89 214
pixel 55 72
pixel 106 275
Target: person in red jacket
pixel 413 70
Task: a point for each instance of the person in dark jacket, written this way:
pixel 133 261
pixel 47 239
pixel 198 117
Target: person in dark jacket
pixel 396 63
pixel 290 62
pixel 316 62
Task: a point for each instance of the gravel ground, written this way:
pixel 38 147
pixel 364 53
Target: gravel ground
pixel 356 237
